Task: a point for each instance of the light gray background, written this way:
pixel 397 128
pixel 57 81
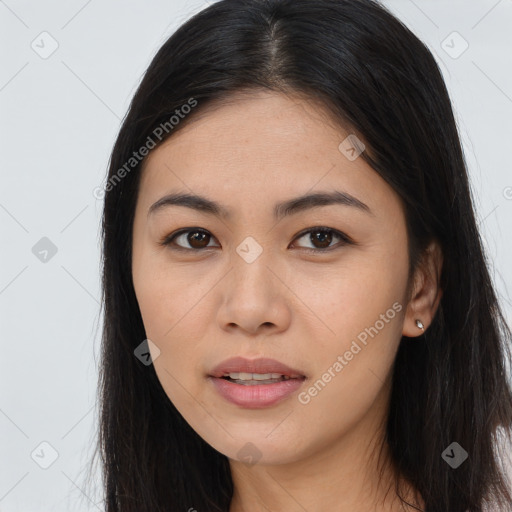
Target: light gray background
pixel 59 119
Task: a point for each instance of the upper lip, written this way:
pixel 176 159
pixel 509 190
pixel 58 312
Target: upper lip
pixel 260 365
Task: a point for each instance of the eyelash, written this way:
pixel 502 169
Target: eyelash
pixel 345 240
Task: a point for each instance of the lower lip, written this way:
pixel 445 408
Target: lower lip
pixel 258 395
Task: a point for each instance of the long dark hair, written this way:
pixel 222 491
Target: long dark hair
pixel 382 83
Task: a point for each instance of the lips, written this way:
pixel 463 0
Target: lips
pixel 255 383
pixel 259 366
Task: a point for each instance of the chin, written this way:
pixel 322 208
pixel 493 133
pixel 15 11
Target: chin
pixel 256 449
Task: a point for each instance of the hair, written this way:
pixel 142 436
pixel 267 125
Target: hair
pixel 380 82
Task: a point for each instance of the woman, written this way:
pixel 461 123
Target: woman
pixel 298 312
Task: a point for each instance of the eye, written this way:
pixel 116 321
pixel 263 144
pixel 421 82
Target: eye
pixel 321 237
pixel 199 239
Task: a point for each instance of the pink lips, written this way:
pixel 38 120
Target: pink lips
pixel 259 395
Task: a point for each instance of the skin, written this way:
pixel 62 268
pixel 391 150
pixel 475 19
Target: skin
pixel 199 308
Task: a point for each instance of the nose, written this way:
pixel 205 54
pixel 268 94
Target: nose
pixel 255 298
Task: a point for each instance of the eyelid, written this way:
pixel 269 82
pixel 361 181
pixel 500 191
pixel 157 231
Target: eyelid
pixel 345 239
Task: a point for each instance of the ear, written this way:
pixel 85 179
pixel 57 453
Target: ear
pixel 426 293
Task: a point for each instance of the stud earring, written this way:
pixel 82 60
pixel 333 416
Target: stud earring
pixel 419 323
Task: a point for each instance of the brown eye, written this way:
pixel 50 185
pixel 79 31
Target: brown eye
pixel 191 239
pixel 195 239
pixel 321 238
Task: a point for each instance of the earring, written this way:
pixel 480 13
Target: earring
pixel 419 323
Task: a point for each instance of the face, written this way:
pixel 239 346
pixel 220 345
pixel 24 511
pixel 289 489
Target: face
pixel 319 287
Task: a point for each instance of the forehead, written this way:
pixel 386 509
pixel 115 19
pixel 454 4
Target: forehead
pixel 263 146
pixel 261 118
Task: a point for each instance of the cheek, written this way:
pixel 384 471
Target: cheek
pixel 167 295
pixel 175 313
pixel 171 322
pixel 350 297
pixel 351 368
pixel 359 312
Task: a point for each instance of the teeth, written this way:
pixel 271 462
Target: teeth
pixel 255 376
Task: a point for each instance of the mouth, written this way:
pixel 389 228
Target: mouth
pixel 256 379
pixel 256 383
pixel 261 369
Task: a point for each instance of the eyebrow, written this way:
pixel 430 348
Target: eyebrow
pixel 283 209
